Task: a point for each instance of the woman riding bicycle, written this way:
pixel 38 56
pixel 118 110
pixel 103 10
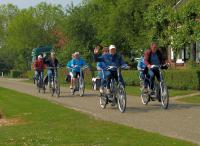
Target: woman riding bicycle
pixel 75 65
pixel 52 64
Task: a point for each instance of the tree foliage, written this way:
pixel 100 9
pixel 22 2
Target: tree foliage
pixel 129 24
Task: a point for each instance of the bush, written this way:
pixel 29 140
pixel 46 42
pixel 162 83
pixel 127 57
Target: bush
pixel 15 74
pixel 175 79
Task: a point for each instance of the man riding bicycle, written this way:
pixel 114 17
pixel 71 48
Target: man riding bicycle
pixel 75 66
pixel 39 67
pixel 111 59
pixel 153 57
pixel 52 64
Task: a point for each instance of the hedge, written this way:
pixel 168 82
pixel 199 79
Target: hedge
pixel 175 79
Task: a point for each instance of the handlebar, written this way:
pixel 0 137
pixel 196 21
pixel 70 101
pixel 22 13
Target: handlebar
pixel 82 68
pixel 115 67
pixel 164 66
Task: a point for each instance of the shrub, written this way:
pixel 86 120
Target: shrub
pixel 175 79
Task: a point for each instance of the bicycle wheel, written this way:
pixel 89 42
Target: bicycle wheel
pixel 121 98
pixel 57 88
pixel 81 86
pixel 52 88
pixel 44 89
pixel 103 101
pixel 39 85
pixel 144 96
pixel 164 95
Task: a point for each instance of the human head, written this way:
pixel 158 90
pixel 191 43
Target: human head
pixel 77 55
pixel 73 56
pixel 153 47
pixel 40 57
pixel 105 50
pixel 112 49
pixel 53 55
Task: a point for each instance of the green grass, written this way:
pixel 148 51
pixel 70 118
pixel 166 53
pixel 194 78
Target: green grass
pixel 54 125
pixel 191 99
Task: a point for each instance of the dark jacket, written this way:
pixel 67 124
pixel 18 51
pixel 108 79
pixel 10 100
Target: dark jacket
pixel 51 63
pixel 147 57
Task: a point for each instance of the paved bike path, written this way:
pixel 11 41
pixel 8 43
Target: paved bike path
pixel 179 121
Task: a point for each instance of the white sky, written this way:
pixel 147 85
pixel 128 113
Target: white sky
pixel 28 3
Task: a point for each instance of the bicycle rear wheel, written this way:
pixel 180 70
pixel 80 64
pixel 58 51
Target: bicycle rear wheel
pixel 103 102
pixel 121 98
pixel 164 95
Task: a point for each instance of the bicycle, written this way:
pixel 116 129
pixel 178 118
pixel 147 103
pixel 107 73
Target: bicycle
pixel 160 89
pixel 79 85
pixel 118 93
pixel 39 82
pixel 54 86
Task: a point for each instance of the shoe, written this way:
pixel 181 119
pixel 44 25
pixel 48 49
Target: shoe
pixel 101 90
pixel 108 91
pixel 113 103
pixel 71 87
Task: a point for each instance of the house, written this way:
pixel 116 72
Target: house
pixel 192 51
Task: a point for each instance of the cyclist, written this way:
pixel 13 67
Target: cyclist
pixel 111 59
pixel 52 64
pixel 75 64
pixel 102 70
pixel 39 67
pixel 70 70
pixel 153 56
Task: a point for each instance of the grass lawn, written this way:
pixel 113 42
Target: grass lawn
pixel 52 124
pixel 191 99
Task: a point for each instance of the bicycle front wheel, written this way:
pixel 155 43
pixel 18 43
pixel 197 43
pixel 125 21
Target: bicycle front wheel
pixel 144 96
pixel 164 95
pixel 121 98
pixel 57 89
pixel 81 86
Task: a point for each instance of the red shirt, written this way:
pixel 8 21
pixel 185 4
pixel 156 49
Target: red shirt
pixel 39 65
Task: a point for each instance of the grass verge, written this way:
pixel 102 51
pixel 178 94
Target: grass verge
pixel 51 124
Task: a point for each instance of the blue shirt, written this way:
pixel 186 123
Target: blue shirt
pixel 102 66
pixel 141 64
pixel 76 64
pixel 154 59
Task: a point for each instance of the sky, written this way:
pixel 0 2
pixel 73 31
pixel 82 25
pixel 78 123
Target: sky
pixel 27 3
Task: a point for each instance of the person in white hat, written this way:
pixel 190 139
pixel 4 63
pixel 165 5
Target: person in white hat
pixel 39 67
pixel 113 59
